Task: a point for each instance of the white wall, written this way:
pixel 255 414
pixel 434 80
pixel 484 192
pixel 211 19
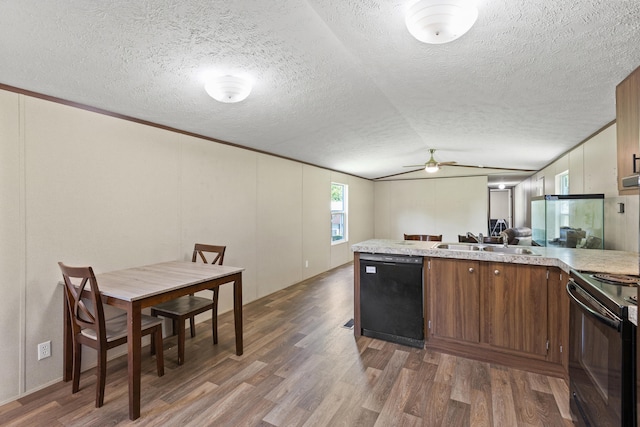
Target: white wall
pixel 447 206
pixel 317 224
pixel 12 247
pixel 90 189
pixel 592 170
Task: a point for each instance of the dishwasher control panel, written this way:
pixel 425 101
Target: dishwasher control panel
pixel 395 259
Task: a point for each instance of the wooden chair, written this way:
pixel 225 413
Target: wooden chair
pixel 494 240
pixel 187 307
pixel 424 237
pixel 89 326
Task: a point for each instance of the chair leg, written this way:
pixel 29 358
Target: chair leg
pixel 214 316
pixel 181 334
pixel 101 376
pixel 192 326
pixel 156 344
pixel 77 361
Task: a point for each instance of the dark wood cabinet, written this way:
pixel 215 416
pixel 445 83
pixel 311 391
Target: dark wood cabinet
pixel 513 314
pixel 454 299
pixel 628 128
pixel 558 317
pixel 515 307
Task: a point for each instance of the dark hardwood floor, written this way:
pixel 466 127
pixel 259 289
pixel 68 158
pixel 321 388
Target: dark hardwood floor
pixel 302 367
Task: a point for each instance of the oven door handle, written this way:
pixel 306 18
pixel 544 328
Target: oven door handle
pixel 612 323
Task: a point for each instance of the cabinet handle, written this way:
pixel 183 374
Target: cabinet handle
pixel 471 270
pixel 496 272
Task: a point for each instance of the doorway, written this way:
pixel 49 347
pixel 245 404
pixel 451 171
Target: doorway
pixel 500 210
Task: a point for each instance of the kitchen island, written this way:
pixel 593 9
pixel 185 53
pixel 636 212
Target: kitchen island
pixel 497 307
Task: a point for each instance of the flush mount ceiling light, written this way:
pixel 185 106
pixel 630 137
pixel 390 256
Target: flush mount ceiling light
pixel 228 88
pixel 440 21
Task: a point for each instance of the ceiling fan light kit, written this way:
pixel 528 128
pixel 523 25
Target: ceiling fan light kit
pixel 431 166
pixel 440 21
pixel 228 88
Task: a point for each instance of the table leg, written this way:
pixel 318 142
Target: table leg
pixel 237 312
pixel 134 348
pixel 67 342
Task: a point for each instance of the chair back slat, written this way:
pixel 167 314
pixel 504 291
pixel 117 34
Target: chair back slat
pixel 216 250
pixel 83 315
pixel 424 237
pixel 486 239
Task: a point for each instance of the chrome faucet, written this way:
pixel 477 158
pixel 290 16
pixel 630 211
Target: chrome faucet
pixel 479 238
pixel 505 239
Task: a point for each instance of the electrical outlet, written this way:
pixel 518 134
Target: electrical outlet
pixel 44 350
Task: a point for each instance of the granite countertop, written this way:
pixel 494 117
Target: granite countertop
pixel 598 260
pixel 601 261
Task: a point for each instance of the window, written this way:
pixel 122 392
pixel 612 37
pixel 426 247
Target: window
pixel 338 212
pixel 562 183
pixel 540 186
pixel 562 187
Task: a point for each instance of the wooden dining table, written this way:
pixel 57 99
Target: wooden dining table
pixel 136 288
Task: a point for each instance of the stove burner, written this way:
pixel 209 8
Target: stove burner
pixel 616 279
pixel 633 299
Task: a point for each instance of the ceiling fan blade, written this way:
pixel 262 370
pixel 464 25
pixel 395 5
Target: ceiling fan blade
pixel 435 165
pixel 492 167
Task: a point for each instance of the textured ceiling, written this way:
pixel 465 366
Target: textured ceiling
pixel 339 84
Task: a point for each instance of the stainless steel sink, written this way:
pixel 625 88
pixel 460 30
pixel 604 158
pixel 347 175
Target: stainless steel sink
pixel 510 250
pixel 459 246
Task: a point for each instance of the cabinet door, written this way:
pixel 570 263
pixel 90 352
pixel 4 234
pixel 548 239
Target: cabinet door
pixel 558 317
pixel 628 127
pixel 454 299
pixel 515 307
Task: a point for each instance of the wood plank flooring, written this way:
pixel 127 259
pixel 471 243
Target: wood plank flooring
pixel 301 367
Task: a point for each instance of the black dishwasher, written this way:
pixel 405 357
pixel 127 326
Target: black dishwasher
pixel 391 301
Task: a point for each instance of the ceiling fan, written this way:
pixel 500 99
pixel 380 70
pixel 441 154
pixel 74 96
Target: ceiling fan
pixel 432 166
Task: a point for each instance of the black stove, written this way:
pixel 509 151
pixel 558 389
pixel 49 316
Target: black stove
pixel 614 291
pixel 602 350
